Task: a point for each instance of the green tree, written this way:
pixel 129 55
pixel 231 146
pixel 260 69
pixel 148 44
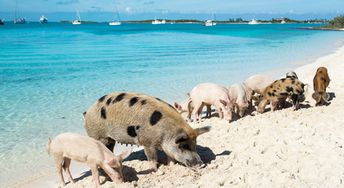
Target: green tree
pixel 338 22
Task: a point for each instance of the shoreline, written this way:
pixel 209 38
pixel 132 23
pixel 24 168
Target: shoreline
pixel 243 127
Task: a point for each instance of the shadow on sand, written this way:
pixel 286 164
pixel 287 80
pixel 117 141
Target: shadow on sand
pixel 130 174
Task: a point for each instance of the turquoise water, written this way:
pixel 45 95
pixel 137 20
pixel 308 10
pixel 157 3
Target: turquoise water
pixel 50 74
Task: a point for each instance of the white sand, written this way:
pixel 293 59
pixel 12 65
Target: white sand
pixel 286 148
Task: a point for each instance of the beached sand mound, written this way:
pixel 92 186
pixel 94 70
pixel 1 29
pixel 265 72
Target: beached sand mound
pixel 287 148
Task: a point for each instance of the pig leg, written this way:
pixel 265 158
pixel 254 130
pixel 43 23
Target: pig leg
pixel 59 163
pixel 66 166
pixel 262 105
pixel 152 157
pixel 115 176
pixel 108 142
pixel 208 114
pixel 219 110
pixel 95 174
pixel 274 105
pixel 197 108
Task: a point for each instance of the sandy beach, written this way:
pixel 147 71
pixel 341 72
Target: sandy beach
pixel 286 148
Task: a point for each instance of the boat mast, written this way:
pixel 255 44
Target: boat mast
pixel 78 15
pixel 118 18
pixel 15 11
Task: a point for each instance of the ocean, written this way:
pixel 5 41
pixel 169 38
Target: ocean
pixel 51 73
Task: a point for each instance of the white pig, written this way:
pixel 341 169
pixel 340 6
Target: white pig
pixel 256 84
pixel 237 94
pixel 70 146
pixel 187 106
pixel 211 94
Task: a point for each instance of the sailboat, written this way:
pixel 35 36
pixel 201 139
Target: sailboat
pixel 18 20
pixel 157 22
pixel 78 19
pixel 43 19
pixel 2 22
pixel 211 22
pixel 116 22
pixel 253 22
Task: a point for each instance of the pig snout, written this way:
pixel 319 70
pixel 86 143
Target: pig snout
pixel 195 161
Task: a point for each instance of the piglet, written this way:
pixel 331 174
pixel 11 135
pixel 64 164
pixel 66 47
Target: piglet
pixel 321 81
pixel 255 85
pixel 187 106
pixel 237 94
pixel 70 146
pixel 211 94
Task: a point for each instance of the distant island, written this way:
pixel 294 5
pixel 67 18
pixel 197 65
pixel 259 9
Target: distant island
pixel 229 21
pixel 336 24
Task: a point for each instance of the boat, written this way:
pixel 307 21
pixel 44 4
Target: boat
pixel 157 22
pixel 18 20
pixel 118 22
pixel 209 23
pixel 2 22
pixel 78 19
pixel 253 22
pixel 283 22
pixel 43 19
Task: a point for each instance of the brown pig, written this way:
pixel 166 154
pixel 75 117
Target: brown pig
pixel 134 118
pixel 320 83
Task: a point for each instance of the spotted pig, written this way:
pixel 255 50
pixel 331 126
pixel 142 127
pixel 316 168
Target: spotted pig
pixel 133 118
pixel 279 91
pixel 320 83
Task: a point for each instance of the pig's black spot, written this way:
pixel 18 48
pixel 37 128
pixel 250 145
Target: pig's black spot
pixel 133 101
pixel 109 101
pixel 131 131
pixel 271 94
pixel 283 79
pixel 84 113
pixel 137 127
pixel 271 86
pixel 293 82
pixel 289 89
pixel 143 102
pixel 274 90
pixel 155 117
pixel 119 97
pixel 101 99
pixel 298 91
pixel 103 112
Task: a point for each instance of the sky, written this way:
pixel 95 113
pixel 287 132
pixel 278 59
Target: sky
pixel 173 9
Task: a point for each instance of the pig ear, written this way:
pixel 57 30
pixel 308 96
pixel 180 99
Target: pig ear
pixel 202 130
pixel 176 105
pixel 223 102
pixel 124 155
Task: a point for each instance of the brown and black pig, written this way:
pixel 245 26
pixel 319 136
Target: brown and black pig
pixel 279 91
pixel 133 118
